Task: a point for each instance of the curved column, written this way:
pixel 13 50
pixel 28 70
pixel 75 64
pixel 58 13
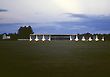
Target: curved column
pixel 96 39
pixel 83 38
pixel 49 38
pixel 43 38
pixel 103 39
pixel 71 38
pixel 30 38
pixel 76 39
pixel 90 39
pixel 36 39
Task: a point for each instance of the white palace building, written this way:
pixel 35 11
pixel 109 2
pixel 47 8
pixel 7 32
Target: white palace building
pixel 49 37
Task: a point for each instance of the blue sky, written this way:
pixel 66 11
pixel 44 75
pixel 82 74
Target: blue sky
pixel 55 16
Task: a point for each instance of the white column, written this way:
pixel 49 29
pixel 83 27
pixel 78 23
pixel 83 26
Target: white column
pixel 83 38
pixel 43 38
pixel 36 39
pixel 90 39
pixel 30 39
pixel 76 39
pixel 71 38
pixel 96 39
pixel 49 38
pixel 103 39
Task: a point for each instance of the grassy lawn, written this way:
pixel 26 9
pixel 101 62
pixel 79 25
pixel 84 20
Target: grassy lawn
pixel 54 59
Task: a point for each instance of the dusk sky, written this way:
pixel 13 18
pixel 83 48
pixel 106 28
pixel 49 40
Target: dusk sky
pixel 55 16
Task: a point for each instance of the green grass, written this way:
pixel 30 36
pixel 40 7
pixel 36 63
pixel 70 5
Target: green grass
pixel 54 59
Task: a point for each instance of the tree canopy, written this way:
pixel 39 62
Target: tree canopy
pixel 24 32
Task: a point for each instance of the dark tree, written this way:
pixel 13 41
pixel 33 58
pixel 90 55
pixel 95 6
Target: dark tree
pixel 1 35
pixel 24 32
pixel 13 36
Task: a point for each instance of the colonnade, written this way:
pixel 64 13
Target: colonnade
pixel 43 38
pixel 89 39
pixel 70 38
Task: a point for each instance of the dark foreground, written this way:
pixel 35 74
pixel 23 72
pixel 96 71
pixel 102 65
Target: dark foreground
pixel 54 59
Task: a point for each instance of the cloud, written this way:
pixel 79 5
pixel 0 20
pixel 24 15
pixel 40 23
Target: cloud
pixel 3 10
pixel 88 23
pixel 1 18
pixel 91 23
pixel 77 15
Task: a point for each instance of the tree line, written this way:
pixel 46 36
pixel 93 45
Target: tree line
pixel 24 33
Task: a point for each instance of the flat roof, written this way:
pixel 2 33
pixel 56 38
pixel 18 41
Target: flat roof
pixel 53 34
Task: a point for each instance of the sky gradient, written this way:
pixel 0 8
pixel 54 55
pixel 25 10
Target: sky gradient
pixel 55 16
